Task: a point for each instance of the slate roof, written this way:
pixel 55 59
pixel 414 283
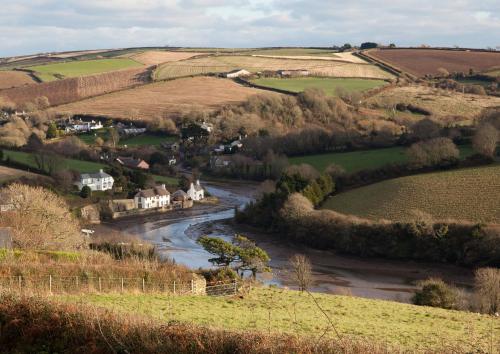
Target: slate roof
pixel 100 174
pixel 152 192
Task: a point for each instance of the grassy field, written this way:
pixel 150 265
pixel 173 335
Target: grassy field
pixel 51 72
pixel 70 164
pixel 171 98
pixel 277 310
pixel 219 64
pixel 329 85
pixel 147 139
pixel 449 107
pixel 295 52
pixel 10 79
pixel 359 160
pixel 8 174
pixel 468 194
pixel 153 57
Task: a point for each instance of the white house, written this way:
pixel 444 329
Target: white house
pixel 237 73
pixel 83 127
pixel 99 181
pixel 195 191
pixel 156 197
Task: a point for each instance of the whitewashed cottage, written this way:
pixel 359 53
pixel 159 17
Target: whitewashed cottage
pixel 99 181
pixel 195 191
pixel 156 197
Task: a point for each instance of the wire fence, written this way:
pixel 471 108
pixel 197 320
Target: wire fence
pixel 86 284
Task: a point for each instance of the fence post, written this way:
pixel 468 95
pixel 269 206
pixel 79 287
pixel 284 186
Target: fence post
pixel 100 287
pixel 50 284
pixel 76 282
pixel 235 287
pixel 122 285
pixel 192 286
pixel 19 280
pixel 143 286
pixel 174 287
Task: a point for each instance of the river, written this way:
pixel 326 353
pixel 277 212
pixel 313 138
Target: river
pixel 176 238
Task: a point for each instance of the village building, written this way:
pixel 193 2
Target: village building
pixel 237 73
pixel 133 162
pixel 195 191
pixel 174 147
pixel 99 181
pixel 180 200
pixel 79 126
pixel 293 73
pixel 156 197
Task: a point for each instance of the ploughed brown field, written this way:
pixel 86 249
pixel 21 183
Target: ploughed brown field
pixel 420 62
pixel 163 99
pixel 10 79
pixel 153 57
pixel 77 88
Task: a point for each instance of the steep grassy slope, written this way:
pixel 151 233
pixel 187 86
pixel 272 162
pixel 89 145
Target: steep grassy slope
pixel 468 194
pixel 273 310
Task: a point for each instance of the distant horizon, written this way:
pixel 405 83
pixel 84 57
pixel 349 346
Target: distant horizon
pixel 39 26
pixel 243 48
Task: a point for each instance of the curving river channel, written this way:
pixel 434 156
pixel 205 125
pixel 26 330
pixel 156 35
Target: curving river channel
pixel 175 237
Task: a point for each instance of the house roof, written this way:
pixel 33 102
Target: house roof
pixel 153 192
pixel 180 195
pixel 100 174
pixel 130 161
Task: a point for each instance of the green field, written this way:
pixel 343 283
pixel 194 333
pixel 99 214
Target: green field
pixel 147 139
pixel 468 194
pixel 134 141
pixel 51 72
pixel 70 164
pixel 329 85
pixel 360 160
pixel 277 310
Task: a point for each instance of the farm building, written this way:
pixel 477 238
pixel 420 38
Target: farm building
pixel 293 73
pixel 195 191
pixel 156 197
pixel 99 181
pixel 237 73
pixel 133 162
pixel 78 126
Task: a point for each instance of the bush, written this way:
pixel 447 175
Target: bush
pixel 86 192
pixel 436 293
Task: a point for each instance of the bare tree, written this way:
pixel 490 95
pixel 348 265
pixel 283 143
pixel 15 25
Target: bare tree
pixel 485 140
pixel 487 284
pixel 302 271
pixel 39 219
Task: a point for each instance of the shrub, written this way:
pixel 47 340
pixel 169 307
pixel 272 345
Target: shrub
pixel 86 192
pixel 436 293
pixel 485 140
pixel 438 151
pixel 487 287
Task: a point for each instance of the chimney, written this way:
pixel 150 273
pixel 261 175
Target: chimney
pixel 197 182
pixel 163 186
pixel 101 170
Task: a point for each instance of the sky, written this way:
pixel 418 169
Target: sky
pixel 34 26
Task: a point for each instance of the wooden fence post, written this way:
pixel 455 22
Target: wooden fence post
pixel 143 286
pixel 192 286
pixel 76 282
pixel 100 287
pixel 122 285
pixel 19 280
pixel 50 283
pixel 174 287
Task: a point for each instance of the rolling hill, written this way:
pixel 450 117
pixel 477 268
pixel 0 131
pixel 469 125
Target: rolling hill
pixel 467 194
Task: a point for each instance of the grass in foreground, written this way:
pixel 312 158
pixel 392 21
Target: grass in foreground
pixel 86 329
pixel 466 194
pixel 360 160
pixel 330 86
pixel 50 72
pixel 276 310
pixel 70 164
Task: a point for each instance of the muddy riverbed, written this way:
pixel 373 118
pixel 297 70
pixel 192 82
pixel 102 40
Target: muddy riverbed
pixel 175 235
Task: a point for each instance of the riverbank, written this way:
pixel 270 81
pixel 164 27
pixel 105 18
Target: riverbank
pixel 340 274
